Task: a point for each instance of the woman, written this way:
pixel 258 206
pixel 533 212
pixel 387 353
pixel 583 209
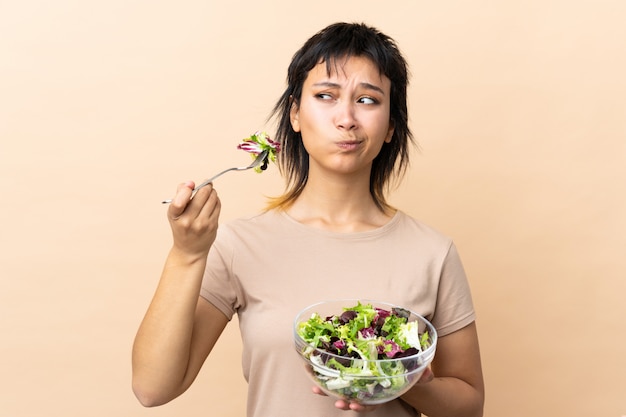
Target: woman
pixel 343 128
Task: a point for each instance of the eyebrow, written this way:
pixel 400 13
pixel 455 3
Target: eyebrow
pixel 365 85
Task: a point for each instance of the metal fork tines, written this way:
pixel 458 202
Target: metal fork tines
pixel 258 161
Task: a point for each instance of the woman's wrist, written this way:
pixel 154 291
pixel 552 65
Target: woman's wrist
pixel 179 257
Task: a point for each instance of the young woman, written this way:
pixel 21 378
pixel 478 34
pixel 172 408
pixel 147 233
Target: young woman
pixel 343 129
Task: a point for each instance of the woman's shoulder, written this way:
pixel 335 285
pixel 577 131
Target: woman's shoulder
pixel 261 222
pixel 419 237
pixel 412 224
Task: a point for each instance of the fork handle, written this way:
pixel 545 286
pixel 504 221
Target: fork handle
pixel 210 180
pixel 260 158
pixel 204 184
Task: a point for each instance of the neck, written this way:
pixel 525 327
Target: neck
pixel 341 204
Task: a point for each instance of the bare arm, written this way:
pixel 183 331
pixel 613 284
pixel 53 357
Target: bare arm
pixel 454 387
pixel 179 328
pixel 457 388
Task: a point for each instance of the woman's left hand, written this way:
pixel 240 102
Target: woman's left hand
pixel 347 405
pixel 427 376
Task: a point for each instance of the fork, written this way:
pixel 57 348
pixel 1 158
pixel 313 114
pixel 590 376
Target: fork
pixel 258 161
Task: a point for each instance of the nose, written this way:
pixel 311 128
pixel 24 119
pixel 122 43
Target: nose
pixel 345 117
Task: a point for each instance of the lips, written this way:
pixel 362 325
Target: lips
pixel 349 144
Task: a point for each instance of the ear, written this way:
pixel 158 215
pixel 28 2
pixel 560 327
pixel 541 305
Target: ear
pixel 294 115
pixel 392 128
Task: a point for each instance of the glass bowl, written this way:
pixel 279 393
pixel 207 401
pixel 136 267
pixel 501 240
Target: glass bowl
pixel 359 378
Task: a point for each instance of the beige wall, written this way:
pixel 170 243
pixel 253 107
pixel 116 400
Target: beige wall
pixel 520 110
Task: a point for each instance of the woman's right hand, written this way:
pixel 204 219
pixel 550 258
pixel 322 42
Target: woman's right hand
pixel 194 220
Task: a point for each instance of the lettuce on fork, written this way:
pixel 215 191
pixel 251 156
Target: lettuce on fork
pixel 257 143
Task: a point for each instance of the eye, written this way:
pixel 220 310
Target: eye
pixel 324 96
pixel 367 100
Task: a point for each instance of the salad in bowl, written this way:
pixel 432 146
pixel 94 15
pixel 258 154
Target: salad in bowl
pixel 364 351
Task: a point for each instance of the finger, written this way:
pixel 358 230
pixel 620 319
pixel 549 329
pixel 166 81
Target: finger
pixel 362 408
pixel 318 391
pixel 181 199
pixel 211 207
pixel 197 202
pixel 427 376
pixel 342 405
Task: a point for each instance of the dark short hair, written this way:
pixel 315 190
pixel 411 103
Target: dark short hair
pixel 343 40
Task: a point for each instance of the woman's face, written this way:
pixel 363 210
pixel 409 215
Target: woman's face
pixel 343 116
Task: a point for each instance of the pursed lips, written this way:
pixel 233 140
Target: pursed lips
pixel 349 144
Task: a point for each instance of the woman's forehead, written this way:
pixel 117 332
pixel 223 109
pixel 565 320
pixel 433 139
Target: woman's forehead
pixel 336 64
pixel 343 66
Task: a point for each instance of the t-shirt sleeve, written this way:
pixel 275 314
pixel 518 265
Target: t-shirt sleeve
pixel 454 309
pixel 219 286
